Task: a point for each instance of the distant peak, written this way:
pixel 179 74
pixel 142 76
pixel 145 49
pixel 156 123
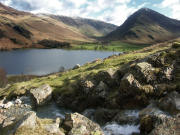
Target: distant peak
pixel 145 9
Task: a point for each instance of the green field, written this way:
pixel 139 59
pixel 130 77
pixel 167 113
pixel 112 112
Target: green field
pixel 116 46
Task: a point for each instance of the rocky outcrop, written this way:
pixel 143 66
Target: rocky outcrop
pixel 77 124
pixel 41 95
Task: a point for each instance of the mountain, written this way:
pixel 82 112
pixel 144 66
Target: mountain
pixel 88 27
pixel 21 29
pixel 146 26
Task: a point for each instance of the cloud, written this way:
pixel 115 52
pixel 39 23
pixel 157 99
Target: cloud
pixel 113 11
pixel 174 5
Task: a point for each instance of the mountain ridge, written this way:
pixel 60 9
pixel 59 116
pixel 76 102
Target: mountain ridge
pixel 149 23
pixel 24 30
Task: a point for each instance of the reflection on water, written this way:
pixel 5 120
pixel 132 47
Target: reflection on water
pixel 45 61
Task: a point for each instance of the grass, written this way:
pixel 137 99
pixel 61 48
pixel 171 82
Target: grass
pixel 67 81
pixel 115 46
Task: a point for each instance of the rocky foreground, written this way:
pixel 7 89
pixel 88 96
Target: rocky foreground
pixel 149 84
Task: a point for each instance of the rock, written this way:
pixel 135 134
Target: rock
pixel 125 118
pixel 77 124
pixel 102 115
pixel 150 117
pixel 101 90
pixel 168 73
pixel 8 105
pixel 163 88
pixel 145 72
pixel 156 60
pixel 53 129
pixel 87 86
pixel 76 66
pixel 107 76
pixel 170 103
pixel 42 95
pixel 28 121
pixel 129 84
pixel 18 101
pixel 9 121
pixel 171 126
pixel 2 118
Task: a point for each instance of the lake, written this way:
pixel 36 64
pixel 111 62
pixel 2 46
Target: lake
pixel 46 61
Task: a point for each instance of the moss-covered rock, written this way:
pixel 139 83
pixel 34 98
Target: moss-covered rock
pixel 77 124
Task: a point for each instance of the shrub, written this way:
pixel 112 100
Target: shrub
pixel 54 44
pixel 3 78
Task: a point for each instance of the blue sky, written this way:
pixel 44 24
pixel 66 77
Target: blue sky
pixel 112 11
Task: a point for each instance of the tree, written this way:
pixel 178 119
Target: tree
pixel 3 78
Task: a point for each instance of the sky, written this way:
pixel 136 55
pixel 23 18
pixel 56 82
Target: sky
pixel 112 11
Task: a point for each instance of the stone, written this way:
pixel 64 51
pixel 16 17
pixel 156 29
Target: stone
pixel 123 119
pixel 29 120
pixel 76 66
pixel 170 103
pixel 77 124
pixel 145 72
pixel 107 76
pixel 129 84
pixel 8 121
pixel 2 118
pixel 169 127
pixel 18 101
pixel 101 90
pixel 42 94
pixel 87 86
pixel 53 129
pixel 8 105
pixel 150 117
pixel 102 115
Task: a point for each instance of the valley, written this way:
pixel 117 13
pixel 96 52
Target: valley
pixel 63 75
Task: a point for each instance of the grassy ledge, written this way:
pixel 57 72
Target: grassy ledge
pixel 115 46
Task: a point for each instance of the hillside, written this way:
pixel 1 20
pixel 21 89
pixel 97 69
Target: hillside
pixel 21 29
pixel 146 26
pixel 88 27
pixel 145 82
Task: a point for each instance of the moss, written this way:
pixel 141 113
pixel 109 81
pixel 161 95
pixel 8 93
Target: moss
pixel 176 45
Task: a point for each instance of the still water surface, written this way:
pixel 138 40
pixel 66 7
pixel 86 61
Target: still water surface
pixel 45 61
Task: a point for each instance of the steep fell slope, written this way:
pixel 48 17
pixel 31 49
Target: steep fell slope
pixel 146 26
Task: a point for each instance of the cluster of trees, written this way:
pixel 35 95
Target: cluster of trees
pixel 54 44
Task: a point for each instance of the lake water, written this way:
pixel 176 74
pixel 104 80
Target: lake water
pixel 45 61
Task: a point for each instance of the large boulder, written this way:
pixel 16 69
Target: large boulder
pixel 156 60
pixel 145 72
pixel 42 94
pixel 14 125
pixel 77 124
pixel 171 126
pixel 28 121
pixel 150 117
pixel 107 76
pixel 170 103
